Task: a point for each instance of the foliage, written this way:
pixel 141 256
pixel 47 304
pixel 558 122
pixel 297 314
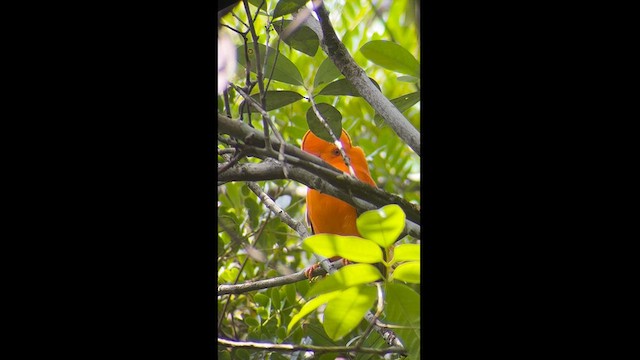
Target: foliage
pixel 348 293
pixel 253 243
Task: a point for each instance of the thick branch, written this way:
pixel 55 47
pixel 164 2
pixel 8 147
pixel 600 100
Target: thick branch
pixel 315 165
pixel 339 55
pixel 272 170
pixel 315 349
pixel 251 136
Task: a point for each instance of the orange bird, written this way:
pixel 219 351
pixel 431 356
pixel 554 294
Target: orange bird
pixel 327 214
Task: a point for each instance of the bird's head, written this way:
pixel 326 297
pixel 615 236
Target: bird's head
pixel 325 150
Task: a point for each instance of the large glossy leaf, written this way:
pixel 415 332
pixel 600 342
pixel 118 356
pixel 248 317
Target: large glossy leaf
pixel 274 99
pixel 343 313
pixel 383 226
pixel 284 7
pixel 345 277
pixel 406 252
pixel 326 72
pixel 349 247
pixel 391 56
pixel 331 115
pixel 403 103
pixel 303 39
pixel 284 70
pixel 310 306
pixel 343 87
pixel 408 272
pixel 403 308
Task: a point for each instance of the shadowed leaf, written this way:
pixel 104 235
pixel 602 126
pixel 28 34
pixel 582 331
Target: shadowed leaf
pixel 391 56
pixel 274 99
pixel 332 116
pixel 343 87
pixel 302 39
pixel 284 7
pixel 403 103
pixel 326 72
pixel 284 70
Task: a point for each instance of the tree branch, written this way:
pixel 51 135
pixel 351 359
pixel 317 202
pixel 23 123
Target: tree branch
pixel 298 227
pixel 315 349
pixel 316 166
pixel 339 55
pixel 273 282
pixel 271 170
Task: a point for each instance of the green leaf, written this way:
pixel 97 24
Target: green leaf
pixel 345 277
pixel 343 87
pixel 332 116
pixel 383 226
pixel 275 99
pixel 345 312
pixel 275 298
pixel 284 7
pixel 391 56
pixel 408 272
pixel 241 354
pixel 252 322
pixel 302 39
pixel 284 70
pixel 352 248
pixel 310 306
pixel 257 3
pixel 326 72
pixel 261 299
pixel 224 355
pixel 409 79
pixel 406 252
pixel 290 290
pixel 403 308
pixel 403 103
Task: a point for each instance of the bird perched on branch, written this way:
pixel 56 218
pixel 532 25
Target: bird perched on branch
pixel 325 213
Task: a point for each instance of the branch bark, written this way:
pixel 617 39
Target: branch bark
pixel 315 349
pixel 320 170
pixel 339 55
pixel 273 282
pixel 272 170
pixel 297 226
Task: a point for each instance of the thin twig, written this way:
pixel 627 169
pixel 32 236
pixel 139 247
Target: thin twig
pixel 224 167
pixel 242 22
pixel 232 29
pixel 335 138
pixel 256 51
pixel 268 123
pixel 276 58
pixel 236 289
pixel 227 106
pixel 377 14
pixel 226 151
pixel 283 215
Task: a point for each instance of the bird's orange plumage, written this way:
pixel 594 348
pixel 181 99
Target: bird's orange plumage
pixel 325 213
